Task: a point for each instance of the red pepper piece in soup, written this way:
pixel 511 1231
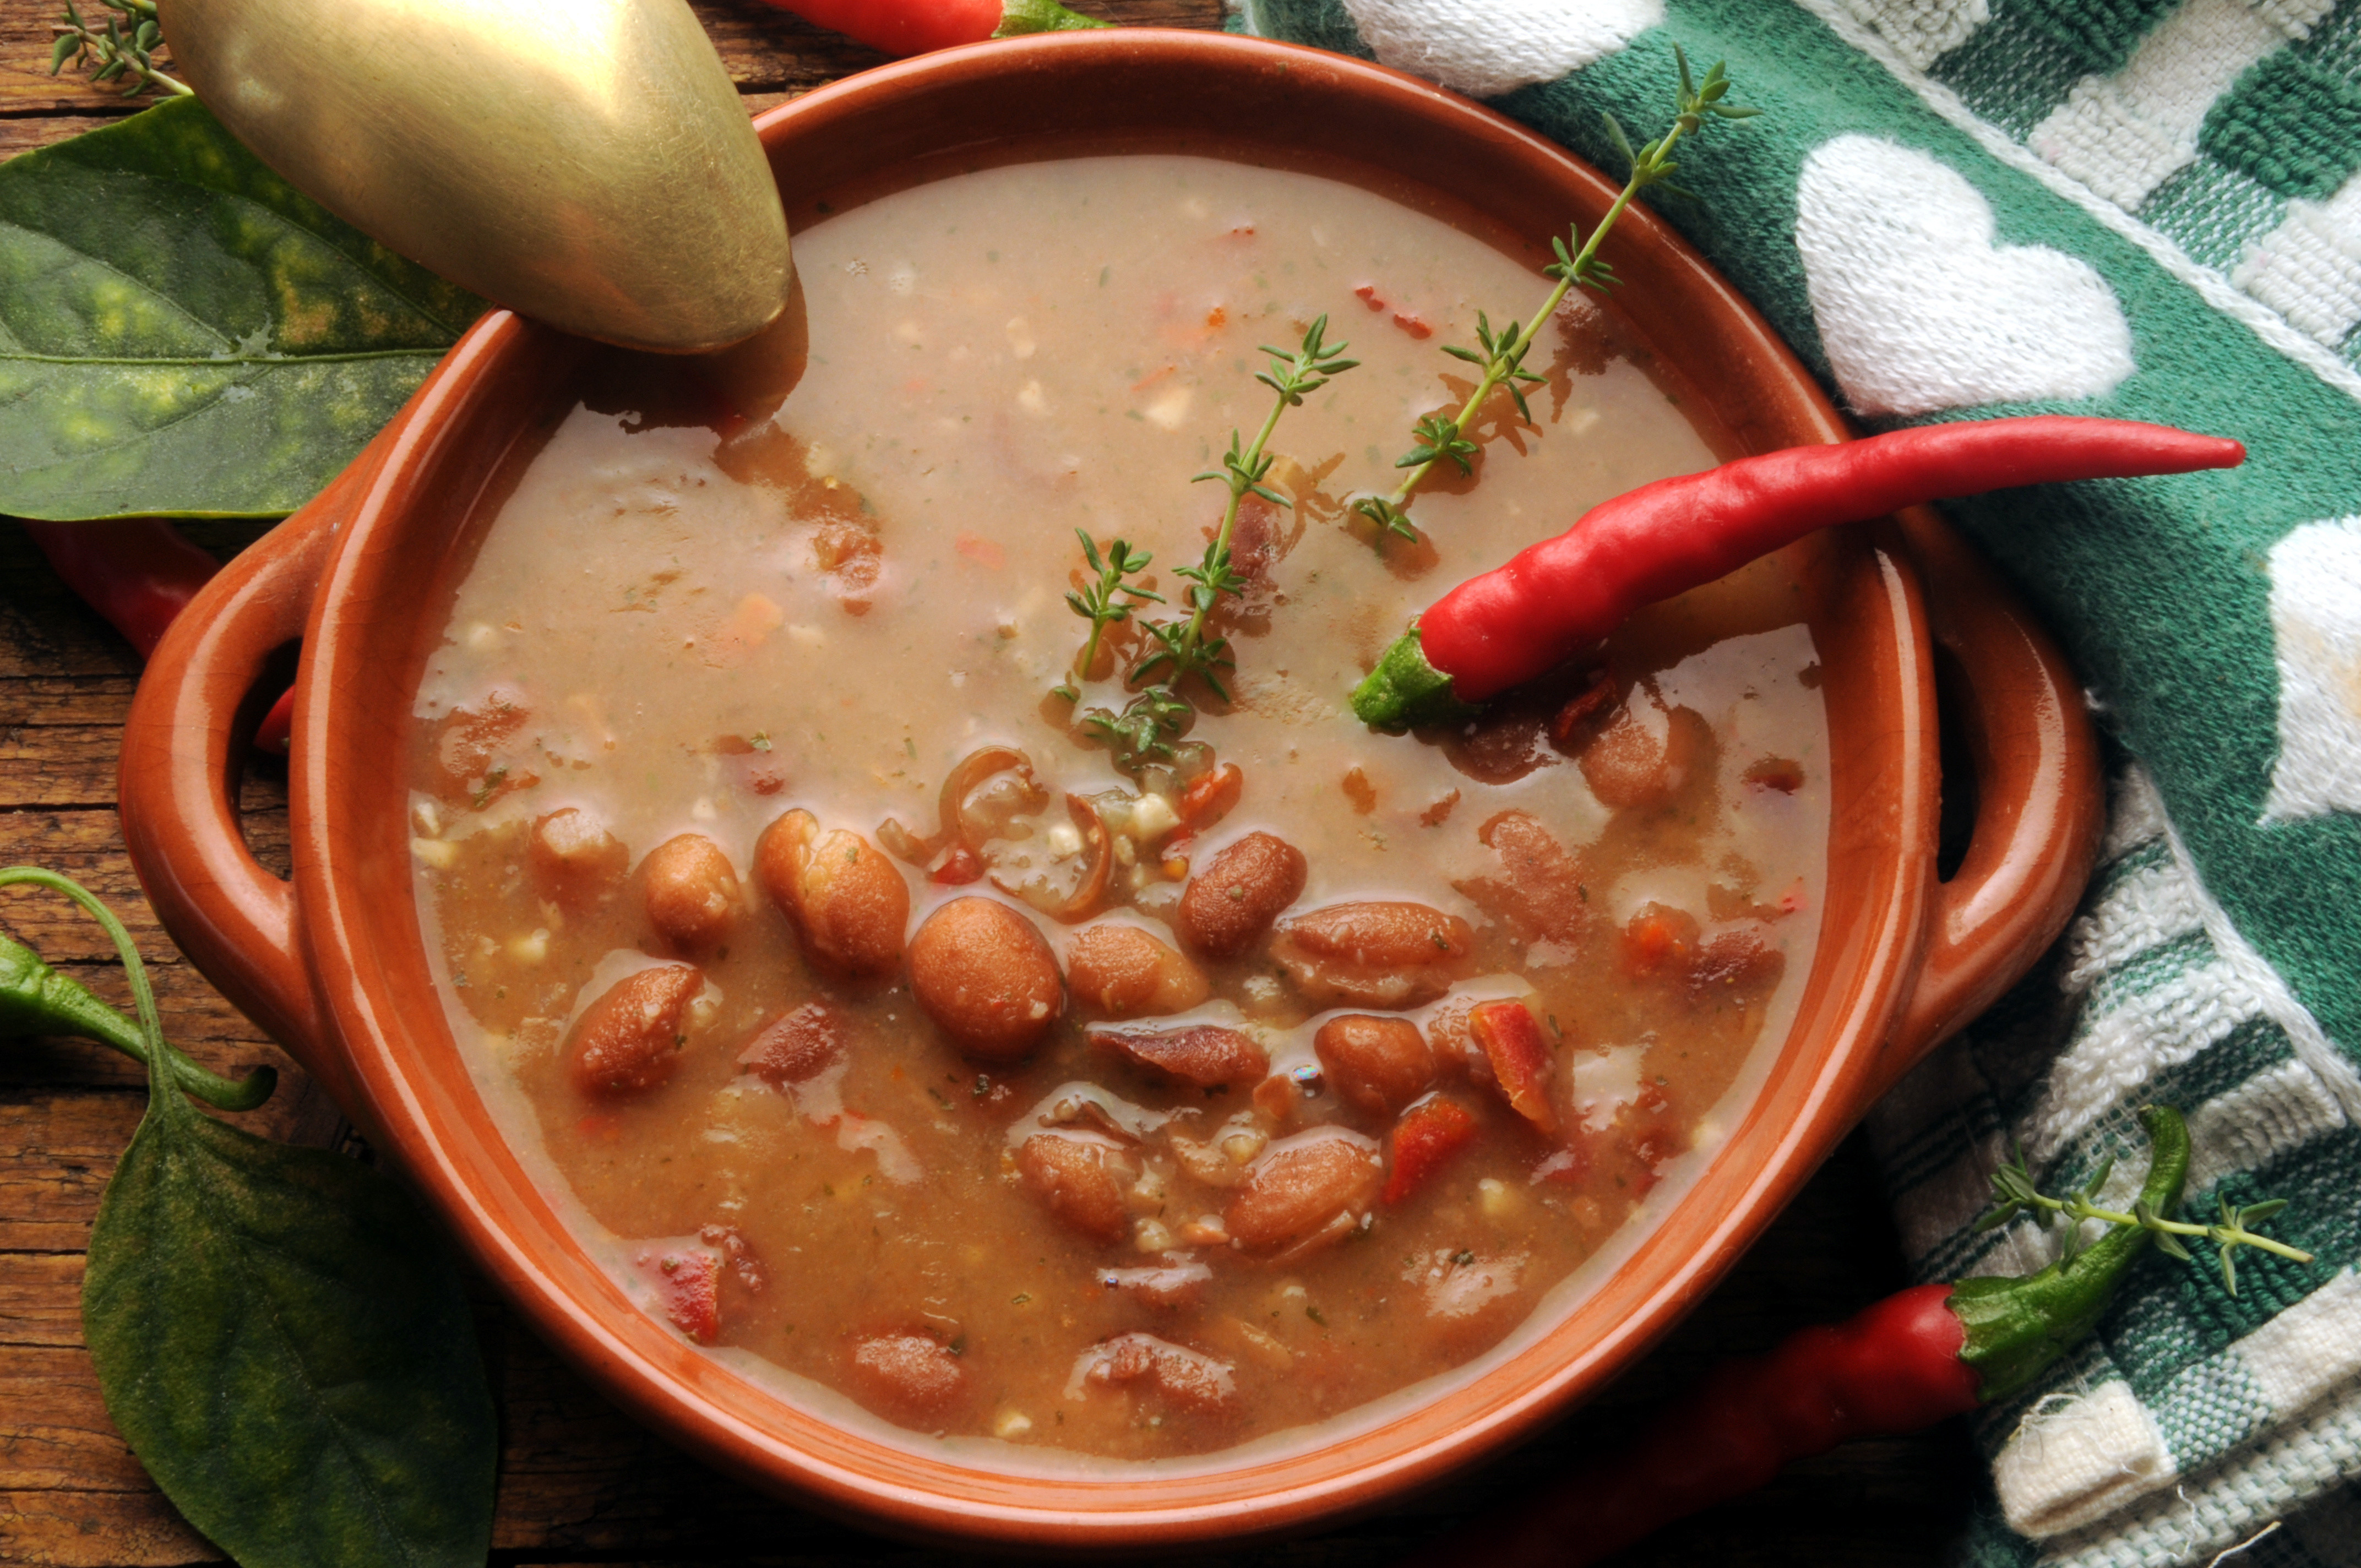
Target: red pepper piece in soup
pixel 1428 1134
pixel 1514 1044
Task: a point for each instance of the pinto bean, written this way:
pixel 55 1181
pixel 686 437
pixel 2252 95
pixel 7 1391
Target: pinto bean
pixel 692 893
pixel 1378 1064
pixel 1228 906
pixel 1734 969
pixel 1303 1185
pixel 1172 1285
pixel 1080 1178
pixel 1373 953
pixel 1185 1379
pixel 846 899
pixel 909 1375
pixel 576 863
pixel 1647 753
pixel 796 1046
pixel 1201 1054
pixel 985 977
pixel 625 1042
pixel 1123 973
pixel 1545 888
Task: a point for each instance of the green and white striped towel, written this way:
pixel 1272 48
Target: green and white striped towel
pixel 2145 209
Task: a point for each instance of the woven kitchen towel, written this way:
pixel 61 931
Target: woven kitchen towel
pixel 2149 209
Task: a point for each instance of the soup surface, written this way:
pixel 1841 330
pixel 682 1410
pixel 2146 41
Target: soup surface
pixel 887 1019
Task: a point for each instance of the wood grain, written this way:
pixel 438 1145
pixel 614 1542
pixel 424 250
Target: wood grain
pixel 580 1482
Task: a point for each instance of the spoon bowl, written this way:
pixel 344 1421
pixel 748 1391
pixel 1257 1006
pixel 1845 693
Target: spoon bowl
pixel 588 164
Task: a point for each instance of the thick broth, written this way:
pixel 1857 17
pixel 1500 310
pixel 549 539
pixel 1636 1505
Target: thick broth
pixel 680 623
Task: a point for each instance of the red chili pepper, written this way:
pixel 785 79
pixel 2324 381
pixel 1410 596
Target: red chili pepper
pixel 1562 596
pixel 139 572
pixel 1906 1363
pixel 915 27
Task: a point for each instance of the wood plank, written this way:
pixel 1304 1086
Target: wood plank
pixel 58 1528
pixel 56 1434
pixel 40 1303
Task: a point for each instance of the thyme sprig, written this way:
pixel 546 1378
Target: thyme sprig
pixel 2015 1193
pixel 1107 601
pixel 112 51
pixel 1183 648
pixel 1501 353
pixel 1147 729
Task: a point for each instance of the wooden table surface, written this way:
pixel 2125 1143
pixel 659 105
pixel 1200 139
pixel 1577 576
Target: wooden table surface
pixel 580 1482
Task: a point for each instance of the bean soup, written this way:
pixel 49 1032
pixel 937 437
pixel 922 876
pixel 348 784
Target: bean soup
pixel 887 1012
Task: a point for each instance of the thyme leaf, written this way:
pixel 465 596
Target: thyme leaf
pixel 1500 352
pixel 2015 1194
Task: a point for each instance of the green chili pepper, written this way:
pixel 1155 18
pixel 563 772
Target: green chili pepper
pixel 2017 1327
pixel 37 999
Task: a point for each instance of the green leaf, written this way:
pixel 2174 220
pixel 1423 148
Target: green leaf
pixel 281 1337
pixel 182 333
pixel 2254 1214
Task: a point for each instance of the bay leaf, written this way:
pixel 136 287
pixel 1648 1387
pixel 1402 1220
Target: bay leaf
pixel 183 332
pixel 280 1335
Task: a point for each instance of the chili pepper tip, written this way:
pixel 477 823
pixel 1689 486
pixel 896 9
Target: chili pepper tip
pixel 1405 690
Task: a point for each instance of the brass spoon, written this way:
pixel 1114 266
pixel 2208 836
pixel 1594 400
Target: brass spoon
pixel 586 163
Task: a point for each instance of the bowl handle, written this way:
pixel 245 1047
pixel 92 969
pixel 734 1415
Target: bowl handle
pixel 2040 806
pixel 192 721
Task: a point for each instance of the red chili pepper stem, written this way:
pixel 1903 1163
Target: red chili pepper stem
pixel 1563 597
pixel 902 28
pixel 1911 1360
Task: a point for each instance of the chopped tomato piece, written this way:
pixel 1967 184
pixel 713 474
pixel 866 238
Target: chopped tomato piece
pixel 689 1281
pixel 1518 1053
pixel 1412 324
pixel 1781 774
pixel 956 867
pixel 1209 797
pixel 1428 1133
pixel 1582 707
pixel 984 552
pixel 1368 294
pixel 1659 941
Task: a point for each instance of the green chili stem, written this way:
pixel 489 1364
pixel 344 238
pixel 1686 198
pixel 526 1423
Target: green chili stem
pixel 149 1043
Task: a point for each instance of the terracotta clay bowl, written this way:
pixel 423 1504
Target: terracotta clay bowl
pixel 332 962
